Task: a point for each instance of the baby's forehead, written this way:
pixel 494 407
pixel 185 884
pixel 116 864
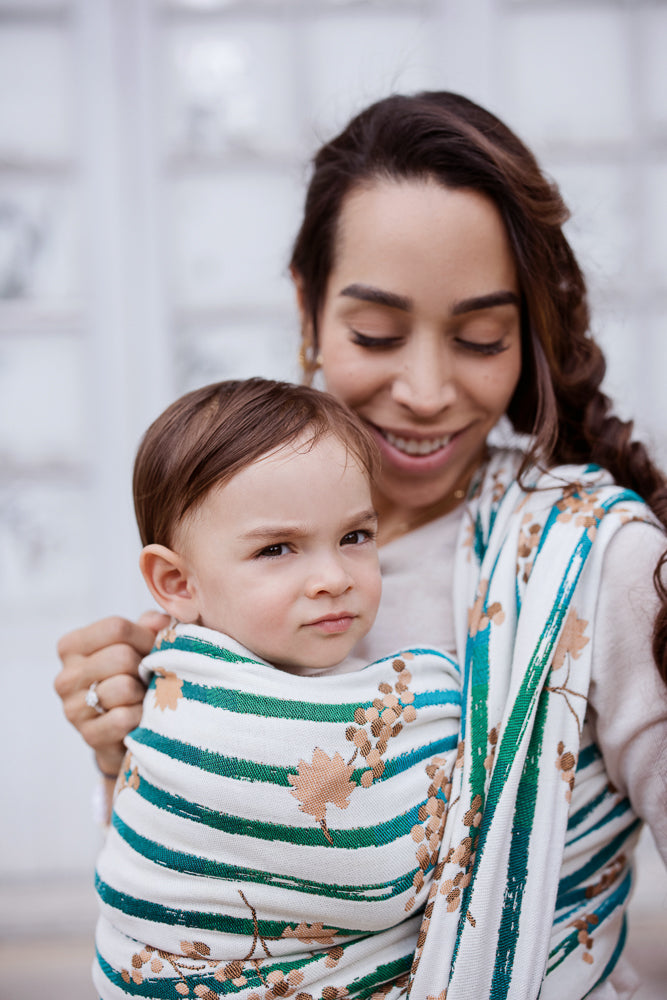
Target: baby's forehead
pixel 326 446
pixel 308 483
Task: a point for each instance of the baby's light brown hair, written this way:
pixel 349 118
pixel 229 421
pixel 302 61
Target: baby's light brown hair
pixel 207 436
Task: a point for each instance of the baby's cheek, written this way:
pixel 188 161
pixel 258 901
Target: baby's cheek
pixel 373 589
pixel 268 615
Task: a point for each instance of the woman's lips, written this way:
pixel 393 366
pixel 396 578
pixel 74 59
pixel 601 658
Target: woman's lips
pixel 416 454
pixel 417 446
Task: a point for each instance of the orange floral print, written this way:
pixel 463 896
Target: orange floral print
pixel 581 505
pixel 566 763
pixel 315 933
pixel 478 618
pixel 167 690
pixel 571 642
pixel 572 639
pixel 326 780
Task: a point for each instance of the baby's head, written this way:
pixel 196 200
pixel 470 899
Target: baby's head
pixel 253 500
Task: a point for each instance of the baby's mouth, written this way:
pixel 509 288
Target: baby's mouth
pixel 416 446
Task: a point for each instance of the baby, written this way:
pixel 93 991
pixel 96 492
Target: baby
pixel 274 825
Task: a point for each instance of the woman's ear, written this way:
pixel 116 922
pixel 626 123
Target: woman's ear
pixel 170 582
pixel 309 357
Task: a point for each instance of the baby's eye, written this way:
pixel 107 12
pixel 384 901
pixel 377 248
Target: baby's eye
pixel 356 537
pixel 273 551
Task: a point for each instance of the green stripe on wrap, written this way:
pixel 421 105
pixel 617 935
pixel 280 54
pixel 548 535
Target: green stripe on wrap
pixel 240 769
pixel 245 703
pixel 223 923
pixel 192 864
pixel 310 836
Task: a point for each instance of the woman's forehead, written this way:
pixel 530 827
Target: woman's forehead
pixel 400 236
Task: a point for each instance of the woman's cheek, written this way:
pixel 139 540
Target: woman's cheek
pixel 342 381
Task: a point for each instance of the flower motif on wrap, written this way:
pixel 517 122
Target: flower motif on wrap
pixel 167 690
pixel 583 505
pixel 326 780
pixel 479 616
pixel 570 645
pixel 311 933
pixel 529 539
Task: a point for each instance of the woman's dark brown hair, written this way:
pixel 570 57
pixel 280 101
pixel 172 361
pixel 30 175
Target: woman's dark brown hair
pixel 207 436
pixel 558 401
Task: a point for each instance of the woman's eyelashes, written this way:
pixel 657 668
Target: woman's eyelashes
pixel 478 347
pixel 377 343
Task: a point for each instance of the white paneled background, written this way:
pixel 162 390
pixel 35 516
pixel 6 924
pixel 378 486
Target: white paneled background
pixel 153 155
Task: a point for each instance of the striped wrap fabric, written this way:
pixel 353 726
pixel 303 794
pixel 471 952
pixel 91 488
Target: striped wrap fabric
pixel 529 895
pixel 356 836
pixel 274 835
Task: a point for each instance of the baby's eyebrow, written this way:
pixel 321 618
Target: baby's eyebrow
pixel 283 531
pixel 368 516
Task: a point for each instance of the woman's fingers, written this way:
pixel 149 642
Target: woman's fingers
pixel 113 631
pixel 72 684
pixel 120 690
pixel 107 654
pixel 105 734
pixel 154 620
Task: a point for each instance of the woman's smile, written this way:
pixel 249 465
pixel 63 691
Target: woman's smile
pixel 416 454
pixel 410 445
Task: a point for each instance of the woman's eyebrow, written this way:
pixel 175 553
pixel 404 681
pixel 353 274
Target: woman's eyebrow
pixel 380 297
pixel 477 302
pixel 377 296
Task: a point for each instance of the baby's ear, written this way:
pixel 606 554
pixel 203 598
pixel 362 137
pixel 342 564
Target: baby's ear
pixel 169 580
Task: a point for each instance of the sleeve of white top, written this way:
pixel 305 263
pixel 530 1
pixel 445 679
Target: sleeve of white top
pixel 628 698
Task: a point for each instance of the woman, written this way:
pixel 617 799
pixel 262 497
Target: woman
pixel 439 295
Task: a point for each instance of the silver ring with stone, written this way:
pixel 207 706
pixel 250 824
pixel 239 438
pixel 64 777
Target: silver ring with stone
pixel 93 699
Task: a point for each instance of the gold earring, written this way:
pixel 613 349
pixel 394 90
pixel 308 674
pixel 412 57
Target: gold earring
pixel 309 361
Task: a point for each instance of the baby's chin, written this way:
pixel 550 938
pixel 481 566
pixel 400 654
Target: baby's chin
pixel 324 666
pixel 303 670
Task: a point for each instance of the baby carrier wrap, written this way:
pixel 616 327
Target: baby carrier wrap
pixel 273 835
pixel 530 885
pixel 535 870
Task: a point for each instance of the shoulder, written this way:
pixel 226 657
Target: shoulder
pixel 571 488
pixel 554 513
pixel 631 558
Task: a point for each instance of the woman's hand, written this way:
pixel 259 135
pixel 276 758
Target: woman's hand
pixel 108 652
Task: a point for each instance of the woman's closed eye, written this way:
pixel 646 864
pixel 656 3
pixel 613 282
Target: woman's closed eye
pixel 374 343
pixel 487 349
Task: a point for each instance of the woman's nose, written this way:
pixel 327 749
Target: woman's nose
pixel 328 576
pixel 425 383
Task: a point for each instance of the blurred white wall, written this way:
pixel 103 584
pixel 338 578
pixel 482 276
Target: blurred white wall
pixel 152 165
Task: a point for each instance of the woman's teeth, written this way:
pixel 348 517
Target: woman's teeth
pixel 417 446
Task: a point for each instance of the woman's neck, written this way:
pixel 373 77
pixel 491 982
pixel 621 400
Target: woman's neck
pixel 396 521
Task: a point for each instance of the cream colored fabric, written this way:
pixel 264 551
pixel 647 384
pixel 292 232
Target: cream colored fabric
pixel 627 700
